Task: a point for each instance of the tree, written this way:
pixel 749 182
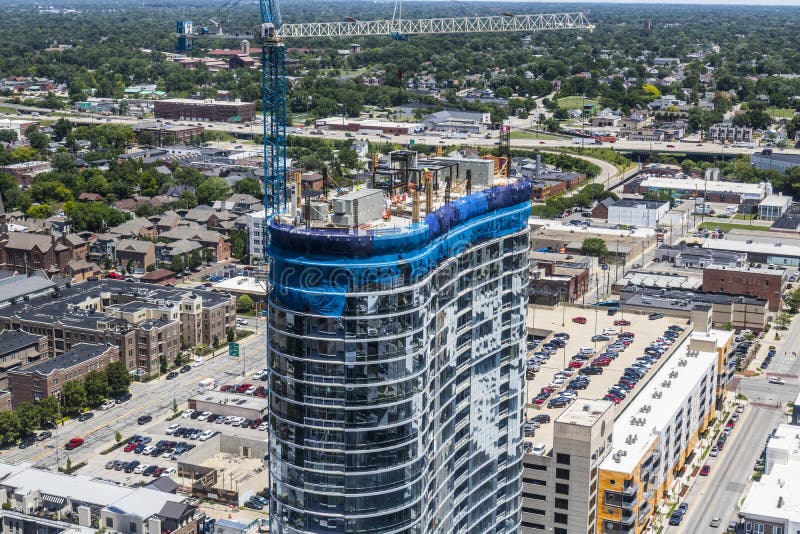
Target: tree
pixel 130 267
pixel 248 186
pixel 594 246
pixel 40 211
pixel 195 260
pixel 96 385
pixel 208 255
pixel 793 301
pixel 651 91
pixel 244 304
pixel 9 428
pixel 238 239
pixel 212 189
pixel 119 379
pixel 176 265
pixel 231 333
pixel 38 139
pixel 61 128
pixel 49 411
pixel 8 136
pixel 782 321
pixel 28 417
pixel 117 436
pixel 73 396
pixel 188 200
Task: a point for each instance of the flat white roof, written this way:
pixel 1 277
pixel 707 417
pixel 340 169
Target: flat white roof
pixel 633 439
pixel 242 284
pixel 547 224
pixel 698 184
pixel 746 269
pixel 721 337
pixel 756 247
pixel 776 200
pixel 584 412
pixel 780 484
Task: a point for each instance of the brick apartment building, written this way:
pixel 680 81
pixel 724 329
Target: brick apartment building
pixel 48 377
pixel 146 322
pixel 19 349
pixel 749 281
pixel 24 252
pixel 24 172
pixel 204 110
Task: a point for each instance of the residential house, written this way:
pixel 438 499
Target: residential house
pixel 210 240
pixel 25 252
pixel 135 228
pixel 19 349
pixel 141 254
pixel 80 269
pixel 165 252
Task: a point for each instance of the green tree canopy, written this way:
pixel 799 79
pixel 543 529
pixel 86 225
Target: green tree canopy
pixel 119 379
pixel 74 396
pixel 212 189
pixel 248 186
pixel 594 246
pixel 96 384
pixel 244 304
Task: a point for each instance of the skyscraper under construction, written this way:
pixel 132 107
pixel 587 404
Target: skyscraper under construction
pixel 396 339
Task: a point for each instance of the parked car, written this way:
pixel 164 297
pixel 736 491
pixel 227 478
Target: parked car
pixel 172 375
pixel 85 416
pixel 144 419
pixel 27 441
pixel 186 368
pixel 44 435
pixel 705 470
pixel 579 320
pixel 654 317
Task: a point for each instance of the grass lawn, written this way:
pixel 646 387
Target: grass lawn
pixel 744 216
pixel 7 110
pixel 574 102
pixel 780 113
pixel 520 134
pixel 727 227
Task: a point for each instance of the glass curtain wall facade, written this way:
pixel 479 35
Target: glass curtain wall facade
pixel 396 400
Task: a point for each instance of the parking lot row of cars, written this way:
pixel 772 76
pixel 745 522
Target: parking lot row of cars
pixel 163 448
pixel 255 424
pixel 139 468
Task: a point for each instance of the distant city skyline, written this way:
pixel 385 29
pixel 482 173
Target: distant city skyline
pixel 752 3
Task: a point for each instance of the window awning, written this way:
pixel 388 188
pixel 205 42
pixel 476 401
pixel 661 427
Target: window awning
pixel 54 499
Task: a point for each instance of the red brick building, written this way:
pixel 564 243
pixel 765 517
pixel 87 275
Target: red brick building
pixel 748 281
pixel 204 110
pixel 47 378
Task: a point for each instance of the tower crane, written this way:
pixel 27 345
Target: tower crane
pixel 271 32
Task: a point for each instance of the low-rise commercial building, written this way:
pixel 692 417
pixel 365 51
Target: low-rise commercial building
pixel 229 404
pixel 711 190
pixel 204 110
pixel 47 378
pixel 773 206
pixel 751 281
pixel 653 436
pixel 767 160
pixel 24 172
pixel 771 505
pixel 727 132
pixel 631 212
pixel 721 309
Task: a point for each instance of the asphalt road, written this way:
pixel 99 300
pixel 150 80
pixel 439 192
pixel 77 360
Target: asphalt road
pixel 718 494
pixel 154 398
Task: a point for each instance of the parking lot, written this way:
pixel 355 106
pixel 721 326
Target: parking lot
pixel 580 336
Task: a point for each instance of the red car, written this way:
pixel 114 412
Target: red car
pixel 244 387
pixel 612 398
pixel 579 320
pixel 115 276
pixel 622 322
pixel 730 424
pixel 705 470
pixel 575 364
pixel 130 446
pixel 226 388
pixel 547 389
pixel 626 334
pixel 73 443
pixel 538 401
pixel 601 361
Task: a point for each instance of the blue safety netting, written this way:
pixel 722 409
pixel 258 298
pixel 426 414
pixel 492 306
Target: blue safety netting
pixel 314 276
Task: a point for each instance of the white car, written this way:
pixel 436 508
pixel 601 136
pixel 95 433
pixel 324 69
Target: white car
pixel 250 390
pixel 172 428
pixel 206 435
pixel 198 362
pixel 147 450
pixel 108 404
pixel 538 449
pixel 187 413
pixel 169 471
pixel 263 426
pixel 611 331
pixel 229 419
pixel 140 468
pixel 204 416
pixel 775 380
pixel 167 453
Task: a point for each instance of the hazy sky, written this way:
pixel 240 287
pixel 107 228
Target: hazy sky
pixel 663 2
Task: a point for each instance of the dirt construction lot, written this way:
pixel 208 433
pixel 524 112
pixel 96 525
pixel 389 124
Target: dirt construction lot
pixel 546 318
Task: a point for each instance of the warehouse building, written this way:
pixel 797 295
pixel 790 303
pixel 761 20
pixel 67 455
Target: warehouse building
pixel 632 212
pixel 767 160
pixel 711 190
pixel 758 282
